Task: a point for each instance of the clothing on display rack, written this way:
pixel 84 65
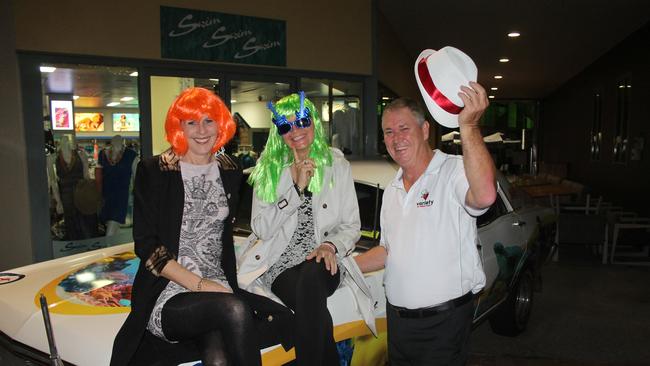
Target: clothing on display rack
pixel 71 169
pixel 113 173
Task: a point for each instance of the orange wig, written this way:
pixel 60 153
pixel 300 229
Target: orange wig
pixel 191 105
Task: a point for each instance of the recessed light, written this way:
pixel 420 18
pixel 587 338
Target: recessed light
pixel 494 88
pixel 491 96
pixel 385 98
pixel 135 73
pixel 126 99
pixel 233 100
pixel 47 68
pixel 112 104
pixel 498 77
pixel 504 60
pixel 75 97
pixel 629 86
pixel 513 34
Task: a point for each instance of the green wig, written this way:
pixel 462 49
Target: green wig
pixel 277 155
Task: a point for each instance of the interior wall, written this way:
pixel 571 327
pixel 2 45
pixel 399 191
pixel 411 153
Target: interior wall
pixel 394 64
pixel 567 116
pixel 395 69
pixel 333 36
pixel 15 226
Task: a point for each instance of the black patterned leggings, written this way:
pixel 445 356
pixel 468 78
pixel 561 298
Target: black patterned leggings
pixel 221 324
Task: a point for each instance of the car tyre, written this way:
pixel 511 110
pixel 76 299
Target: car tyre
pixel 511 317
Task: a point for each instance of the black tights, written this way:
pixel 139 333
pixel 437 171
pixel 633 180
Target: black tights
pixel 305 289
pixel 221 324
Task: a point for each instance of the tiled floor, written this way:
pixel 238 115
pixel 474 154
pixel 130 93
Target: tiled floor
pixel 586 314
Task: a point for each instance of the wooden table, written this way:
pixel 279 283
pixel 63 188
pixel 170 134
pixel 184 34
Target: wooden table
pixel 549 190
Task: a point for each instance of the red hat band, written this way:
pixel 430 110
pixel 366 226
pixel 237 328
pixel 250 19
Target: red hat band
pixel 435 94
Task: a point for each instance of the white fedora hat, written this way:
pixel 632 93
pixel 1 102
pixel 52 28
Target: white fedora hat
pixel 440 75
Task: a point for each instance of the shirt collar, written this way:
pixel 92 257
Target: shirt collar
pixel 434 166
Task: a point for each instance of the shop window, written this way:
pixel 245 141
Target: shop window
pixel 339 105
pixel 248 100
pixel 92 142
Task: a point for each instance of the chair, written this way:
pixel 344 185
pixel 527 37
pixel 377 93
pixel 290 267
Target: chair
pixel 636 249
pixel 590 205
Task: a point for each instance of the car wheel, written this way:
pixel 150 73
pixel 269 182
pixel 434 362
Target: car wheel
pixel 511 317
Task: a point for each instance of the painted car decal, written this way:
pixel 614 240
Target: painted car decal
pixel 101 287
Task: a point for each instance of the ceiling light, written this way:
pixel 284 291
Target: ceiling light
pixel 126 99
pixel 75 97
pixel 491 96
pixel 629 86
pixel 112 104
pixel 498 77
pixel 385 98
pixel 504 60
pixel 217 80
pixel 47 68
pixel 233 100
pixel 494 88
pixel 513 34
pixel 135 73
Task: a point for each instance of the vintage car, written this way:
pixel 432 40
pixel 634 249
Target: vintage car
pixel 89 293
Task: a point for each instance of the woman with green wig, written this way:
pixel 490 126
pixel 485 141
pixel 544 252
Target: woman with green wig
pixel 306 217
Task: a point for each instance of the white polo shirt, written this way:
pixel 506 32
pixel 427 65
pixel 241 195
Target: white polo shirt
pixel 430 236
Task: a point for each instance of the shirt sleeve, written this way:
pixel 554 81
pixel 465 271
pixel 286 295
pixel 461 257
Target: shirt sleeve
pixel 461 188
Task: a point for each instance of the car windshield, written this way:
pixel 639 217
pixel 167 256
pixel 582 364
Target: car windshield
pixel 517 197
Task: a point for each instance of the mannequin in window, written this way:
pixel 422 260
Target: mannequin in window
pixel 344 124
pixel 71 167
pixel 56 208
pixel 113 175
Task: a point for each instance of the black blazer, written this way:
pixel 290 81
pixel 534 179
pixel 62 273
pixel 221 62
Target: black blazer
pixel 157 216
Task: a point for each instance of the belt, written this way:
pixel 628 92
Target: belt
pixel 432 310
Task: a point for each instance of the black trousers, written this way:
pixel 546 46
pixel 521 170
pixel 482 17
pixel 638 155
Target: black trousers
pixel 440 339
pixel 305 289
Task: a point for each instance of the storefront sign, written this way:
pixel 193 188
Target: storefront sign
pixel 204 35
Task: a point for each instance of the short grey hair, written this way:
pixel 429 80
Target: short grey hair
pixel 409 104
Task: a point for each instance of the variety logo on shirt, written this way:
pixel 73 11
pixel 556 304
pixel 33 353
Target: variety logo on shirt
pixel 425 202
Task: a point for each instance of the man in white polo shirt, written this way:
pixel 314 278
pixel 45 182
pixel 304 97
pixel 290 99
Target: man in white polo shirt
pixel 428 239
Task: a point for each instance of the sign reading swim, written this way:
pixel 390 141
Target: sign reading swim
pixel 203 35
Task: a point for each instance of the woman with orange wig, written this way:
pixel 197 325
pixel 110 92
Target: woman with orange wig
pixel 185 294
